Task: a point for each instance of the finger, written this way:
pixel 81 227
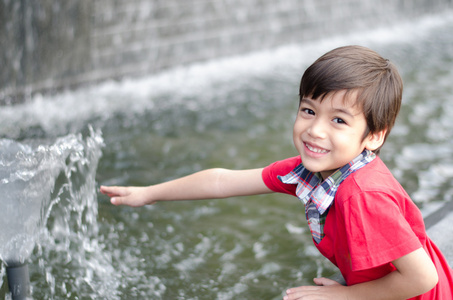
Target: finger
pixel 116 201
pixel 302 289
pixel 325 281
pixel 106 190
pixel 113 191
pixel 298 292
pixel 306 293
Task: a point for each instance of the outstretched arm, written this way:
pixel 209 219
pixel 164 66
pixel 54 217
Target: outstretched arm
pixel 207 184
pixel 415 275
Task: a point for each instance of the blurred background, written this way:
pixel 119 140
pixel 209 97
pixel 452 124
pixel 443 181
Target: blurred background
pixel 49 45
pixel 154 90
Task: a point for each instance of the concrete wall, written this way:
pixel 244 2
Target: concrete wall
pixel 53 44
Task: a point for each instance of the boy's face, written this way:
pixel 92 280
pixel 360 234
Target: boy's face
pixel 329 134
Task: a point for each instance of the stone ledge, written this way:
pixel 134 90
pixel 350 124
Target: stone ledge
pixel 439 226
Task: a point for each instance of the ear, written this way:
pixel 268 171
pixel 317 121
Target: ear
pixel 375 140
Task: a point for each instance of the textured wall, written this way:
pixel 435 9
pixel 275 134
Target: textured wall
pixel 51 44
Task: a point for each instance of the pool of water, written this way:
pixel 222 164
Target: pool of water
pixel 234 113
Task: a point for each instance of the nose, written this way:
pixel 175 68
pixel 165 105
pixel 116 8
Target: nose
pixel 317 128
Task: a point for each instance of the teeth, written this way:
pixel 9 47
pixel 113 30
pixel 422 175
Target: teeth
pixel 316 150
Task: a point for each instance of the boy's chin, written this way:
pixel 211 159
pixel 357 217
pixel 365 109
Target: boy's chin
pixel 325 172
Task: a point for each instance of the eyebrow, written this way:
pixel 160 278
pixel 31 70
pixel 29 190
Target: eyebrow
pixel 339 110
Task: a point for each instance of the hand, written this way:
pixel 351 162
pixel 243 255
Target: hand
pixel 131 196
pixel 325 289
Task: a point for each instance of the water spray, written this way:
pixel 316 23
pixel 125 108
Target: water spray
pixel 28 174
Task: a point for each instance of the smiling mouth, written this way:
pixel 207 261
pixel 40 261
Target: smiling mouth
pixel 315 149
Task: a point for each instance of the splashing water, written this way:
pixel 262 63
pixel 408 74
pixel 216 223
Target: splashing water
pixel 49 199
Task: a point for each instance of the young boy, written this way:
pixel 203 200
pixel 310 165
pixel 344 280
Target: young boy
pixel 360 218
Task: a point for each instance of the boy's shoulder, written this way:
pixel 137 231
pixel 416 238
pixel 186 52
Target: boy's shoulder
pixel 373 191
pixel 374 177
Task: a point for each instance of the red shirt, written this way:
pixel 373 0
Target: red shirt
pixel 372 222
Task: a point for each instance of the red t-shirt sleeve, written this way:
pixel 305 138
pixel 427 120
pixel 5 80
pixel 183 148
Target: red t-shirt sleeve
pixel 280 168
pixel 377 232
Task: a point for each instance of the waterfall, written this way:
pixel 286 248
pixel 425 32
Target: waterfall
pixel 49 45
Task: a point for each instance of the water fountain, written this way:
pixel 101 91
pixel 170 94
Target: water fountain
pixel 28 174
pixel 229 113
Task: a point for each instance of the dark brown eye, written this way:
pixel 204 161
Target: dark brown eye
pixel 339 121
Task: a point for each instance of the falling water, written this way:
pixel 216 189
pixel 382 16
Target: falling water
pixel 49 199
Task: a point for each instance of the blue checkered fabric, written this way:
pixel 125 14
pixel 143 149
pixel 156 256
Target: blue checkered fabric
pixel 318 195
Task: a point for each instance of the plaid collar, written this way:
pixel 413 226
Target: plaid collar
pixel 317 197
pixel 309 188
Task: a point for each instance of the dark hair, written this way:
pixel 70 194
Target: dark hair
pixel 358 69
